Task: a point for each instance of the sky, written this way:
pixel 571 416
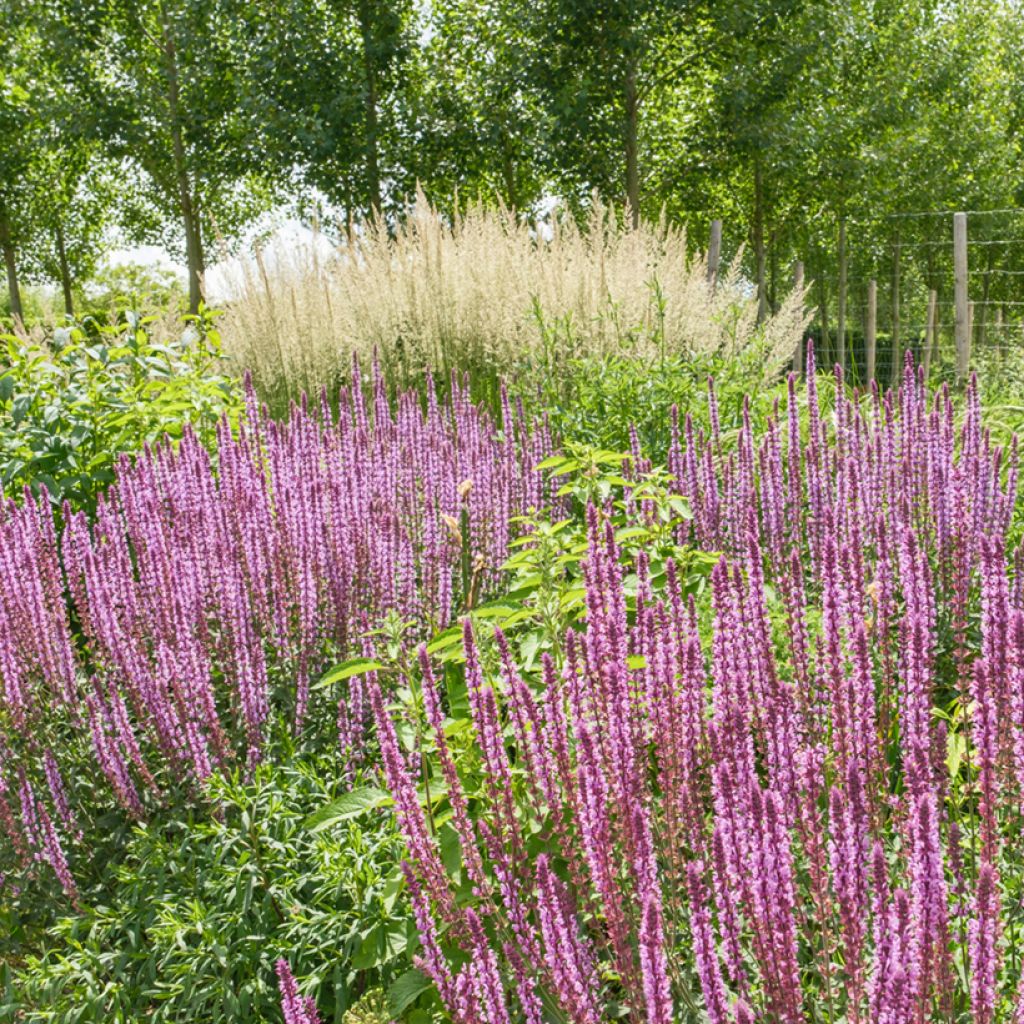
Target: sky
pixel 221 277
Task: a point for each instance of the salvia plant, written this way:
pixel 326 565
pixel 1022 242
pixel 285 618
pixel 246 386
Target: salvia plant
pixel 296 1008
pixel 205 595
pixel 808 810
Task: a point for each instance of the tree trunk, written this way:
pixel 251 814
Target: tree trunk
pixel 10 263
pixel 897 341
pixel 841 299
pixel 65 271
pixel 632 146
pixel 190 224
pixel 508 171
pixel 374 197
pixel 759 253
pixel 824 343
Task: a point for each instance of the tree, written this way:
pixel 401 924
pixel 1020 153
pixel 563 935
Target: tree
pixel 324 84
pixel 481 123
pixel 153 82
pixel 602 65
pixel 73 195
pixel 19 127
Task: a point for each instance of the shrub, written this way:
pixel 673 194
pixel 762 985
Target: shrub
pixel 617 402
pixel 186 922
pixel 489 294
pixel 73 403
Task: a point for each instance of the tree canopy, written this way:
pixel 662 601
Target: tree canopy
pixel 798 122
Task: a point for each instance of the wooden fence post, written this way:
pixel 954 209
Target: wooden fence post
pixel 896 370
pixel 825 343
pixel 841 309
pixel 714 252
pixel 798 287
pixel 962 317
pixel 871 328
pixel 930 330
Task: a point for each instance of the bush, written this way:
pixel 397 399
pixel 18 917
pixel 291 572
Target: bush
pixel 72 403
pixel 605 402
pixel 185 922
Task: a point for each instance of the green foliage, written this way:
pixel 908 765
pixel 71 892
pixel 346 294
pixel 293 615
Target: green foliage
pixel 341 111
pixel 546 594
pixel 598 401
pixel 485 123
pixel 70 409
pixel 187 923
pixel 372 1008
pixel 133 286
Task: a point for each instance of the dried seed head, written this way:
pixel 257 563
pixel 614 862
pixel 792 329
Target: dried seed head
pixel 453 528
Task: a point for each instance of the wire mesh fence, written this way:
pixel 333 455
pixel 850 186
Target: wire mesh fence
pixel 952 295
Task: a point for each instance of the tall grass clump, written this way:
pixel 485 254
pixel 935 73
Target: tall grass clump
pixel 489 293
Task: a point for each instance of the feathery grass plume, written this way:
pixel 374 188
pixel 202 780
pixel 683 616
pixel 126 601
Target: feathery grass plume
pixel 486 291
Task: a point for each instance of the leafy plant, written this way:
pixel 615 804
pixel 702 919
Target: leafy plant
pixel 71 407
pixel 187 922
pixel 606 402
pixel 542 593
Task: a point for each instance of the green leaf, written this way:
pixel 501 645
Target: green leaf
pixel 494 611
pixel 567 466
pixel 347 669
pixel 681 507
pixel 956 749
pixel 629 532
pixel 381 944
pixel 405 990
pixel 348 805
pixel 445 640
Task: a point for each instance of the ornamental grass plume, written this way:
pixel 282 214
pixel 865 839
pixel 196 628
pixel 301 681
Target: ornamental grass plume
pixel 209 582
pixel 467 292
pixel 810 851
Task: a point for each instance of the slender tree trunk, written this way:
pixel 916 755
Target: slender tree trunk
pixel 375 199
pixel 841 298
pixel 897 341
pixel 10 263
pixel 197 219
pixel 759 250
pixel 190 224
pixel 824 343
pixel 632 146
pixel 508 171
pixel 65 271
